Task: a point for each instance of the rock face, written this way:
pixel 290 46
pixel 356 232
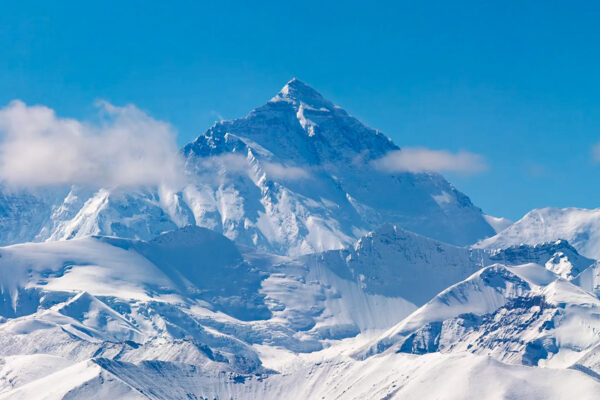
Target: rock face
pixel 292 177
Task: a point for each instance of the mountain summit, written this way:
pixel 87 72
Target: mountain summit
pixel 312 164
pixel 301 126
pixel 292 177
pixel 298 92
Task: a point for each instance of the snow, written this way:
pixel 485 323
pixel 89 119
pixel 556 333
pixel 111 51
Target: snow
pixel 397 376
pixel 87 264
pixel 123 317
pixel 518 315
pixel 84 380
pixel 161 323
pixel 289 267
pixel 187 296
pixel 292 177
pixel 498 223
pixel 16 371
pixel 580 227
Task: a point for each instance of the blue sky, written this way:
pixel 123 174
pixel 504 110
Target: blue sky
pixel 516 83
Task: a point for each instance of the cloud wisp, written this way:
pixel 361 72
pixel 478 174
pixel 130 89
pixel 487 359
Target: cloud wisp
pixel 130 148
pixel 419 159
pixel 283 172
pixel 238 164
pixel 127 148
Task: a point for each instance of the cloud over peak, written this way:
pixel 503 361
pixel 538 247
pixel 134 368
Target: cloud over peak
pixel 127 148
pixel 420 159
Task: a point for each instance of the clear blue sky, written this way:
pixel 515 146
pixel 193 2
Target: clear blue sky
pixel 516 82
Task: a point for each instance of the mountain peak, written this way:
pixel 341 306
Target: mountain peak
pixel 297 92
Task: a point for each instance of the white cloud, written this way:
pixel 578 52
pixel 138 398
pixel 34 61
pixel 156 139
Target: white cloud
pixel 236 163
pixel 279 171
pixel 209 168
pixel 419 159
pixel 127 148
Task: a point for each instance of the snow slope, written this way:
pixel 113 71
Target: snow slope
pixel 498 223
pixel 106 316
pixel 394 376
pixel 580 227
pixel 187 299
pixel 391 261
pixel 559 257
pixel 520 315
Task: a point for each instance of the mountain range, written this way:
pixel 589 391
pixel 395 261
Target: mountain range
pixel 291 265
pixel 294 176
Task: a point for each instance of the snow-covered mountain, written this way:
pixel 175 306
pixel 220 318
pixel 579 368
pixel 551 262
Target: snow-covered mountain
pixel 559 257
pixel 187 303
pixel 299 174
pixel 580 227
pixel 105 316
pixel 61 213
pixel 391 261
pixel 523 315
pixel 294 176
pixel 290 265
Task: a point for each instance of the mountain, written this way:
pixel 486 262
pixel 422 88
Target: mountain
pixel 558 257
pixel 107 316
pixel 391 261
pixel 290 265
pixel 60 213
pixel 294 176
pixel 580 227
pixel 393 376
pixel 303 180
pixel 188 301
pixel 518 315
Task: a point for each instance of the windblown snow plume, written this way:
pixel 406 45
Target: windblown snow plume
pixel 127 148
